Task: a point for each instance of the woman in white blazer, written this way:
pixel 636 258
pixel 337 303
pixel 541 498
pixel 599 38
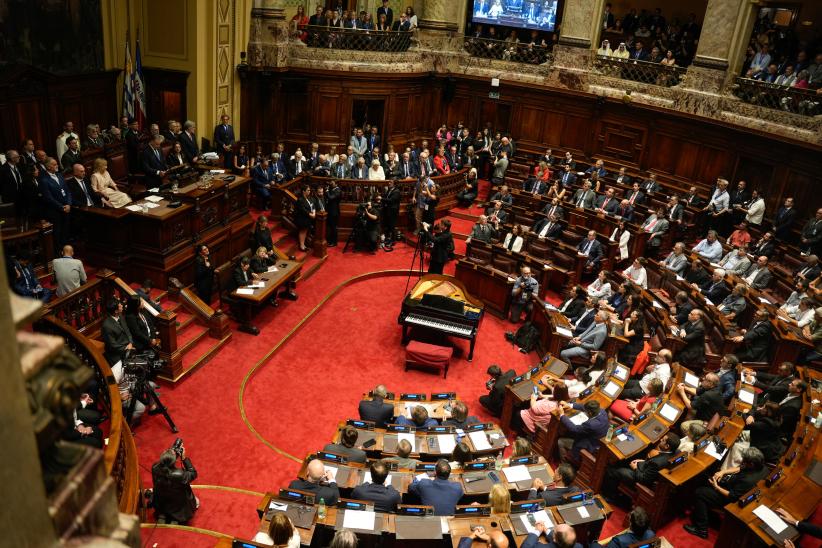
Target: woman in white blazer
pixel 621 235
pixel 513 240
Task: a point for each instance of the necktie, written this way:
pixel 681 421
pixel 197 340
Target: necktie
pixel 16 175
pixel 588 247
pixel 157 153
pixel 605 203
pixel 85 191
pixel 536 187
pixel 633 197
pixel 581 200
pixel 511 242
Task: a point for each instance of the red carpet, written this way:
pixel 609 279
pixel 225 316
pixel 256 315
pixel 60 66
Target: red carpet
pixel 295 399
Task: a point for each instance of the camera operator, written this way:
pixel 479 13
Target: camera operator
pixel 391 211
pixel 524 293
pixel 371 235
pixel 443 245
pixel 173 496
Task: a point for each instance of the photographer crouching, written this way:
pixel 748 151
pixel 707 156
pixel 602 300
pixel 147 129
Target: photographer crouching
pixel 442 244
pixel 368 219
pixel 173 498
pixel 526 289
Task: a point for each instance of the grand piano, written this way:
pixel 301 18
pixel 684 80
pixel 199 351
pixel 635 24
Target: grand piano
pixel 441 305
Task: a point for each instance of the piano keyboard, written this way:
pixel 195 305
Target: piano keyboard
pixel 441 325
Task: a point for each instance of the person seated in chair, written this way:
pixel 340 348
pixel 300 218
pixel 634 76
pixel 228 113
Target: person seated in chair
pixel 459 416
pixel 483 231
pixel 140 324
pixel 553 494
pixel 242 275
pixel 419 418
pixel 261 261
pixel 638 531
pixel 346 446
pixel 318 481
pixel 384 497
pixel 644 471
pixel 607 203
pixel 549 227
pixel 25 282
pixel 440 493
pixel 496 387
pixel 757 339
pixel 496 214
pixel 375 409
pixel 584 436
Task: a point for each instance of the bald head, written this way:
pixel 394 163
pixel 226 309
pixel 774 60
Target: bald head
pixel 68 251
pixel 564 535
pixel 497 539
pixel 316 470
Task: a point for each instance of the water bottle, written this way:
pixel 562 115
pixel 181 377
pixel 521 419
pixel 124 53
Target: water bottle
pixel 498 462
pixel 321 509
pixel 610 433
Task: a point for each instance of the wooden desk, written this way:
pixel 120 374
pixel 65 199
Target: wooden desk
pixel 463 527
pixel 518 393
pixel 245 304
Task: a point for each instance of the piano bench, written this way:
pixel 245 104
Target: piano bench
pixel 428 356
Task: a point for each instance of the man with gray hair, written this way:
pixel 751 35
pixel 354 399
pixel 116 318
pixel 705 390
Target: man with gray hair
pixel 591 339
pixel 188 140
pixel 376 409
pixel 709 249
pixel 93 139
pixel 154 164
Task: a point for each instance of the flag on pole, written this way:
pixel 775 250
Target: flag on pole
pixel 139 87
pixel 128 77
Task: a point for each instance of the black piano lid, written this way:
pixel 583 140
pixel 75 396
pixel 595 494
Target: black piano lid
pixel 443 303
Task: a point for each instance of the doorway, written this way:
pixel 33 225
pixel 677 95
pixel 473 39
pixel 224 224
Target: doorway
pixel 368 111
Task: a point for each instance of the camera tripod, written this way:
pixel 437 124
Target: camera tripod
pixel 145 392
pixel 419 251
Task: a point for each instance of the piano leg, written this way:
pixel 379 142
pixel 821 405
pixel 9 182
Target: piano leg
pixel 471 349
pixel 405 330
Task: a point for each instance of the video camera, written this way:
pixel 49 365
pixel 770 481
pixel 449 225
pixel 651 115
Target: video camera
pixel 178 447
pixel 142 365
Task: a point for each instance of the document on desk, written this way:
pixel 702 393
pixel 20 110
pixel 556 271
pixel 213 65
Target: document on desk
pixel 154 198
pixel 332 470
pixel 691 380
pixel 549 306
pixel 278 506
pixel 445 526
pixel 409 437
pixel 746 396
pixel 538 516
pixel 244 291
pixel 516 473
pixel 480 440
pixel 423 476
pixel 257 285
pixel 446 443
pixel 359 519
pixel 611 389
pixel 669 412
pixel 710 449
pixel 134 207
pixel 764 300
pixel 272 269
pixel 656 304
pixel 565 332
pixel 154 189
pixel 583 512
pixel 770 518
pixel 578 419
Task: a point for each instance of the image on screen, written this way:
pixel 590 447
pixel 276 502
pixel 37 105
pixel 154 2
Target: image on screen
pixel 530 14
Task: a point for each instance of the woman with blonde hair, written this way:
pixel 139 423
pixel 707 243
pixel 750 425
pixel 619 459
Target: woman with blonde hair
pixel 281 533
pixel 104 185
pixel 499 499
pixel 376 173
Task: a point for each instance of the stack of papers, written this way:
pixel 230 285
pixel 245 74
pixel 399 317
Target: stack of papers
pixel 746 396
pixel 447 443
pixel 367 478
pixel 516 473
pixel 565 332
pixel 668 412
pixel 710 449
pixel 244 291
pixel 579 418
pixel 538 516
pixel 134 207
pixel 257 285
pixel 332 470
pixel 583 512
pixel 272 269
pixel 770 518
pixel 359 519
pixel 409 437
pixel 155 189
pixel 154 198
pixel 480 440
pixel 423 476
pixel 278 506
pixel 656 304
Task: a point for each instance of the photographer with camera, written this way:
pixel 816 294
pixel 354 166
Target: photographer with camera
pixel 526 289
pixel 442 242
pixel 367 220
pixel 173 497
pixel 391 211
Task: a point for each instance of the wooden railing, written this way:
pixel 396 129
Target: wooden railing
pixel 37 242
pixel 216 320
pixel 120 453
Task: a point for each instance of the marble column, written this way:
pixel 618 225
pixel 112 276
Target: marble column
pixel 268 38
pixel 438 32
pixel 725 32
pixel 439 15
pixel 578 32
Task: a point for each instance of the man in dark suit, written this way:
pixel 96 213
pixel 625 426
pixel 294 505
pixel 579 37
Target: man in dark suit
pixel 563 485
pixel 401 24
pixel 554 208
pixel 317 19
pixel 650 185
pixel 547 228
pixel 535 186
pixel 764 246
pixel 644 471
pixel 568 177
pixel 131 136
pixel 318 481
pixel 810 270
pixel 638 531
pixel 783 221
pixel 115 333
pixel 583 436
pixel 702 402
pixel 408 169
pixel 332 204
pixel 11 180
pixel 715 288
pixel 72 155
pixel 634 196
pixel 81 192
pixel 625 211
pixel 639 53
pixel 460 417
pixel 188 141
pixel 440 493
pixel 574 306
pixel 755 341
pixel 224 140
pixel 721 491
pixel 298 164
pixel 389 13
pixel 693 333
pixel 242 275
pixel 790 407
pixel 173 496
pixel 586 317
pixel 57 202
pixel 203 274
pixel 346 446
pixel 375 409
pixel 584 197
pixel 774 386
pixel 622 178
pixel 591 248
pixel 278 165
pixel 681 308
pixel 499 380
pixel 154 165
pixel 384 497
pixel 262 180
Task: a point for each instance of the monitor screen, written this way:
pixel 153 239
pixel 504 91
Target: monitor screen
pixel 529 14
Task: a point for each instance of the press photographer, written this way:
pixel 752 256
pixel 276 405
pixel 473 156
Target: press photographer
pixel 173 498
pixel 442 244
pixel 526 289
pixel 367 225
pixel 390 212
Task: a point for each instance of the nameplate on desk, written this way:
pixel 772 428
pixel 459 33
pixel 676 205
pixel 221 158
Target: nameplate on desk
pixel 399 428
pixel 362 425
pixel 702 444
pixel 524 506
pixel 774 477
pixel 407 510
pixel 479 426
pixel 477 465
pixel 528 459
pixel 331 457
pixel 413 397
pixel 345 504
pixel 469 510
pixel 297 496
pixel 440 396
pixel 677 460
pixel 440 429
pixel 582 496
pixel 518 379
pixel 534 370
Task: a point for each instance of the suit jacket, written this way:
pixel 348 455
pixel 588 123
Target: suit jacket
pixel 660 227
pixel 640 54
pixel 11 185
pixel 116 337
pixel 559 212
pixel 153 162
pixel 626 539
pixel 783 221
pixel 223 136
pixel 554 231
pixel 650 186
pixel 587 198
pixel 585 319
pixel 340 170
pixel 811 273
pixel 141 333
pixel 676 263
pixel 55 194
pixel 682 311
pixel 70 158
pixel 399 25
pixel 586 435
pixel 648 470
pixel 69 274
pixel 756 342
pixel 627 213
pixel 501 215
pixel 442 494
pixel 594 336
pixel 261 178
pixel 575 308
pixel 762 279
pixel 189 144
pixel 553 496
pixel 352 453
pixel 763 248
pixel 360 144
pixel 716 292
pixel 595 253
pixel 376 410
pixel 707 403
pixel 487 235
pixel 239 278
pixel 495 397
pixel 568 179
pixel 173 494
pixel 330 493
pixel 610 207
pixel 789 415
pixel 78 195
pixel 741 267
pixel 389 14
pixel 384 497
pixel 694 349
pixel 774 387
pixel 303 165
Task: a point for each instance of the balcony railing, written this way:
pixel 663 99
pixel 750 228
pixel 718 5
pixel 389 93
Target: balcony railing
pixel 356 39
pixel 508 51
pixel 798 101
pixel 638 71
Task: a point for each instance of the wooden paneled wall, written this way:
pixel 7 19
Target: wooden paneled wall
pixel 302 107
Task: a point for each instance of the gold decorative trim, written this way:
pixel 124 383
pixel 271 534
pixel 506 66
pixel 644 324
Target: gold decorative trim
pixel 229 489
pixel 188 528
pixel 294 330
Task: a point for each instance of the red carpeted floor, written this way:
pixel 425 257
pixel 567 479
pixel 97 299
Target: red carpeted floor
pixel 292 402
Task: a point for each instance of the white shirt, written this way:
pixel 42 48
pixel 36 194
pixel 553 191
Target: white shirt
pixel 623 242
pixel 599 289
pixel 638 275
pixel 756 212
pixel 662 371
